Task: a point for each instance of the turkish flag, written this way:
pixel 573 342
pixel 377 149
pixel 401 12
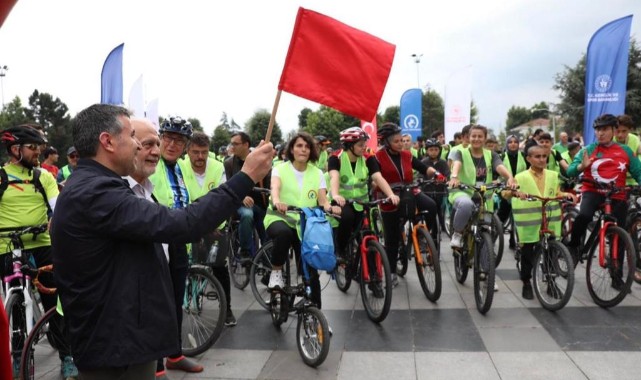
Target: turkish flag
pixel 336 65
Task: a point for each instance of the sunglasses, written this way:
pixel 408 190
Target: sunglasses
pixel 74 155
pixel 33 147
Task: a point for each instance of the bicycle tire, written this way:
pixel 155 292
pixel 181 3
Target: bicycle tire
pixel 553 276
pixel 498 240
pixel 567 223
pixel 634 229
pixel 259 274
pixel 461 267
pixel 312 336
pixel 16 315
pixel 40 353
pixel 448 218
pixel 429 272
pixel 345 271
pixel 376 308
pixel 203 321
pixel 405 249
pixel 377 224
pixel 484 272
pixel 602 281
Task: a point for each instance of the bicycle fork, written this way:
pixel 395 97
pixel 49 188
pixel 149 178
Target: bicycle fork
pixel 364 262
pixel 615 244
pixel 417 252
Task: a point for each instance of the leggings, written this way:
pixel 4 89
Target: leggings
pixel 283 237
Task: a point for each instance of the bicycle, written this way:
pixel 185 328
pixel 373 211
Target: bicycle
pixel 312 328
pixel 366 262
pixel 553 266
pixel 426 255
pixel 610 253
pixel 21 287
pixel 477 251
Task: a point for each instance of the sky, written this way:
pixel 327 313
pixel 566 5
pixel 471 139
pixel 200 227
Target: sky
pixel 203 58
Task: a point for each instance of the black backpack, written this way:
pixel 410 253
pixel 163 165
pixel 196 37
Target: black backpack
pixel 4 184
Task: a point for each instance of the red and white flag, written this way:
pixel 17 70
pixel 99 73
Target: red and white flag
pixel 336 65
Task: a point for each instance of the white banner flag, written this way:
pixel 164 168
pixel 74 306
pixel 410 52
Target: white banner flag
pixel 152 112
pixel 137 98
pixel 458 99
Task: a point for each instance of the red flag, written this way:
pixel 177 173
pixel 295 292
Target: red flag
pixel 5 8
pixel 336 65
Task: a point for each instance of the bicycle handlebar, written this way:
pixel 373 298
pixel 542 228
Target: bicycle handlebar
pixel 11 232
pixel 416 184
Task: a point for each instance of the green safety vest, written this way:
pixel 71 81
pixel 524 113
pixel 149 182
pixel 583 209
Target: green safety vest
pixel 467 175
pixel 213 174
pixel 552 163
pixel 322 161
pixel 445 151
pixel 162 190
pixel 414 152
pixel 632 143
pixel 353 184
pixel 291 195
pixel 527 214
pixel 66 171
pixel 520 163
pixel 566 157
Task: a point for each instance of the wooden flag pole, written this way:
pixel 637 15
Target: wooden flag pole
pixel 272 119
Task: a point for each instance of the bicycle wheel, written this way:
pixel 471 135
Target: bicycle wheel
pixel 377 292
pixel 429 272
pixel 405 249
pixel 345 271
pixel 609 284
pixel 17 324
pixel 259 274
pixel 553 275
pixel 377 224
pixel 483 272
pixel 461 267
pixel 238 273
pixel 312 336
pixel 498 240
pixel 634 229
pixel 567 222
pixel 204 311
pixel 447 218
pixel 40 356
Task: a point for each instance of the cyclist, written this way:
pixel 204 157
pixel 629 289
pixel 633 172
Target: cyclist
pixel 51 158
pixel 527 215
pixel 555 160
pixel 475 165
pixel 562 145
pixel 349 173
pixel 396 167
pixel 295 183
pixel 514 161
pixel 170 190
pixel 623 136
pixel 439 136
pixel 433 160
pixel 604 161
pixel 465 142
pixel 23 205
pixel 323 143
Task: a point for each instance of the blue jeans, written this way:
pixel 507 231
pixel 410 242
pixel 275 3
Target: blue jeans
pixel 250 217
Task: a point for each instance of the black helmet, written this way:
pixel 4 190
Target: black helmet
pixel 386 130
pixel 21 135
pixel 322 140
pixel 432 143
pixel 177 125
pixel 605 121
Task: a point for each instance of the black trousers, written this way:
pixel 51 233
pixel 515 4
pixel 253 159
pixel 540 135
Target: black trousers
pixel 349 221
pixel 392 227
pixel 527 261
pixel 590 202
pixel 503 212
pixel 283 237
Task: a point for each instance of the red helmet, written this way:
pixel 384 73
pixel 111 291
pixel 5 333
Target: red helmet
pixel 352 135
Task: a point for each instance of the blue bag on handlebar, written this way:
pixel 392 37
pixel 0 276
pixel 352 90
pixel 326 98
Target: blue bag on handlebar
pixel 317 244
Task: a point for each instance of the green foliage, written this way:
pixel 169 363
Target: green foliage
pixel 474 113
pixel 392 114
pixel 329 122
pixel 517 116
pixel 302 117
pixel 433 113
pixel 257 126
pixel 220 137
pixel 195 123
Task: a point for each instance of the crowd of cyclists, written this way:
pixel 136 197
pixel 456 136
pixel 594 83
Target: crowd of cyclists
pixel 306 172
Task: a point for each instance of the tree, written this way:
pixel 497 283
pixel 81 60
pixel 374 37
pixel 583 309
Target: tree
pixel 195 123
pixel 571 84
pixel 329 122
pixel 220 137
pixel 433 113
pixel 392 114
pixel 12 115
pixel 302 117
pixel 257 125
pixel 53 115
pixel 474 113
pixel 517 116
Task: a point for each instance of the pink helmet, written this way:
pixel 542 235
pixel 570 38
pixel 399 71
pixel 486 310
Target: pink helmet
pixel 353 135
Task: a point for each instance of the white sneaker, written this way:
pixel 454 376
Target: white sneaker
pixel 276 280
pixel 496 287
pixel 457 240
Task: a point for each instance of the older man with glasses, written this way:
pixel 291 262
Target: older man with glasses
pixel 65 172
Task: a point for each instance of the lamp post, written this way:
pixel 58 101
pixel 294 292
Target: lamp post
pixel 417 60
pixel 3 72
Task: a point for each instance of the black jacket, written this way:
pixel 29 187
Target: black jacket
pixel 233 165
pixel 111 272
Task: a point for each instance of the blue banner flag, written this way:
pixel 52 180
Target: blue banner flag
pixel 411 112
pixel 111 79
pixel 606 73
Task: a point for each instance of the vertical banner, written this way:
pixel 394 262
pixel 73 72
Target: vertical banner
pixel 458 100
pixel 152 112
pixel 370 128
pixel 111 78
pixel 606 73
pixel 412 112
pixel 137 98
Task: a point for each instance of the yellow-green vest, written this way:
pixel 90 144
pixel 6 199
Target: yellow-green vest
pixel 566 157
pixel 467 175
pixel 520 163
pixel 353 183
pixel 66 171
pixel 527 214
pixel 633 144
pixel 445 151
pixel 552 163
pixel 213 174
pixel 291 195
pixel 322 161
pixel 162 190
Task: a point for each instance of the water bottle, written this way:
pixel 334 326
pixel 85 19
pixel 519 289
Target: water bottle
pixel 213 253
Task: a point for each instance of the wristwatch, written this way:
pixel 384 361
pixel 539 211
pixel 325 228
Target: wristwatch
pixel 454 176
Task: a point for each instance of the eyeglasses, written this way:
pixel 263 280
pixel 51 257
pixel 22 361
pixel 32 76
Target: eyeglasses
pixel 73 156
pixel 233 143
pixel 33 147
pixel 178 140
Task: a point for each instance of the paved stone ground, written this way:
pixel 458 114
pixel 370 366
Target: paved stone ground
pixel 450 339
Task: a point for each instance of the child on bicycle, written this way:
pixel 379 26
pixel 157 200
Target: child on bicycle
pixel 349 173
pixel 527 214
pixel 602 161
pixel 295 183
